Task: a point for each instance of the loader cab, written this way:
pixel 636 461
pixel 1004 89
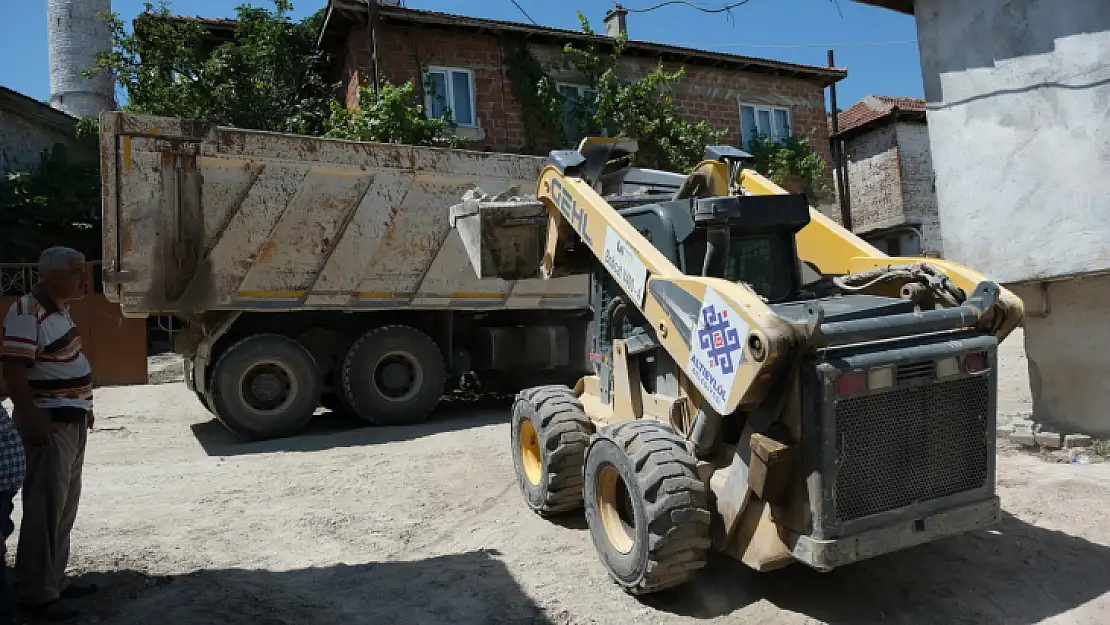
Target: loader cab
pixel 760 247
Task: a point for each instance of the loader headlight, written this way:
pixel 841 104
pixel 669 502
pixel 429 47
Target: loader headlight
pixel 879 378
pixel 948 367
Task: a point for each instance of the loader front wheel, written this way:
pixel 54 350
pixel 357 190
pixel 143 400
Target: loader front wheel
pixel 646 506
pixel 550 432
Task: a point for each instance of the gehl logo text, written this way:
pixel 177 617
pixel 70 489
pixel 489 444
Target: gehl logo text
pixel 570 209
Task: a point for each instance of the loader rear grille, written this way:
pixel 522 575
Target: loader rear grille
pixel 910 445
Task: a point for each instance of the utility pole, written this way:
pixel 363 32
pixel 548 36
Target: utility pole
pixel 842 187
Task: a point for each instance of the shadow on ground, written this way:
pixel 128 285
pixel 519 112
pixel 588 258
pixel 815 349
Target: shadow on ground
pixel 1015 574
pixel 329 430
pixel 466 588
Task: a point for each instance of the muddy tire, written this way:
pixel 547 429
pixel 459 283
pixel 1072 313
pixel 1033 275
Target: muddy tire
pixel 646 506
pixel 394 375
pixel 265 386
pixel 550 433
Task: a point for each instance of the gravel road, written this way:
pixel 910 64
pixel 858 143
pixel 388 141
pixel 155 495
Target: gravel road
pixel 182 523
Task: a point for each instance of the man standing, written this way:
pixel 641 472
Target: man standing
pixel 50 383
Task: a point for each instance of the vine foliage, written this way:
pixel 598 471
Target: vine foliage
pixel 56 203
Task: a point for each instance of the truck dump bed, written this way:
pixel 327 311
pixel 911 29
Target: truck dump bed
pixel 201 217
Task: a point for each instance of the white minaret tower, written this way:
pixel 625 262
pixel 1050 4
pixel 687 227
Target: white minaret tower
pixel 76 34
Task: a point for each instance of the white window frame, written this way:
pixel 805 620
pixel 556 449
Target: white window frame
pixel 450 95
pixel 756 108
pixel 578 88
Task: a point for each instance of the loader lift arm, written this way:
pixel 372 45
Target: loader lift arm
pixel 675 305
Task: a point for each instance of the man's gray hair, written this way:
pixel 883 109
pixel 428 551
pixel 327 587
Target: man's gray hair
pixel 57 257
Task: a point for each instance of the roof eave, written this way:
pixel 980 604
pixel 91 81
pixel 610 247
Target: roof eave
pixel 892 116
pixel 901 6
pixel 821 75
pixel 31 109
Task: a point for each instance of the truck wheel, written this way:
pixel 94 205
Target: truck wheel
pixel 265 386
pixel 550 433
pixel 394 375
pixel 646 506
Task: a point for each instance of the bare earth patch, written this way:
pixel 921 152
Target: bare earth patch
pixel 183 523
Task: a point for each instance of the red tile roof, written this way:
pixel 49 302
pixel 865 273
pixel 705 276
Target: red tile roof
pixel 875 107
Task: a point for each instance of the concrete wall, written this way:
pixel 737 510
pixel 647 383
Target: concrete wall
pixel 1018 94
pixel 1067 343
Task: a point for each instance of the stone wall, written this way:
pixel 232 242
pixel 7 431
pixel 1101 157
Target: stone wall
pixel 24 135
pixel 919 197
pixel 875 181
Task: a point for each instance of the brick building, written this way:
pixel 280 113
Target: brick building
pixel 466 58
pixel 890 175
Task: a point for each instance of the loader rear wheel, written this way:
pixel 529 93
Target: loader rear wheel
pixel 265 386
pixel 394 375
pixel 646 506
pixel 550 433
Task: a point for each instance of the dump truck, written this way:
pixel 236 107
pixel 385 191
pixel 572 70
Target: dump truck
pixel 318 272
pixel 764 383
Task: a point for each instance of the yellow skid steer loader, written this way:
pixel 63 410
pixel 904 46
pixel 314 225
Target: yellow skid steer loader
pixel 765 383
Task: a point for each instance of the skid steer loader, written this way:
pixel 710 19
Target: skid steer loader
pixel 765 383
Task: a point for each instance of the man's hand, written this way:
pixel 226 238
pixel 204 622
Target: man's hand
pixel 90 418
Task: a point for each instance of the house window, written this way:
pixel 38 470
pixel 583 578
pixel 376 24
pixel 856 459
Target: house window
pixel 451 88
pixel 576 101
pixel 769 121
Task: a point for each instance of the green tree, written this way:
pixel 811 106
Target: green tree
pixel 266 77
pixel 56 203
pixel 393 114
pixel 641 109
pixel 790 163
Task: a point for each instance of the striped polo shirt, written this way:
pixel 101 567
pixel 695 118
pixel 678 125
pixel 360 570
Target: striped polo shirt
pixel 42 337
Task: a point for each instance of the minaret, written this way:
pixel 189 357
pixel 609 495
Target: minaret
pixel 75 34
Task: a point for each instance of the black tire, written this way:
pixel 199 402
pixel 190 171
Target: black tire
pixel 410 397
pixel 201 397
pixel 278 369
pixel 652 534
pixel 550 433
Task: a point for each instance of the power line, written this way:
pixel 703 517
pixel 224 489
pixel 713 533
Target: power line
pixel 524 12
pixel 688 3
pixel 705 46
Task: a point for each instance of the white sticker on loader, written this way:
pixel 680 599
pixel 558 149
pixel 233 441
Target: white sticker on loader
pixel 717 349
pixel 624 265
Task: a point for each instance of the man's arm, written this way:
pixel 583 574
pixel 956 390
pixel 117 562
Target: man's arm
pixel 17 352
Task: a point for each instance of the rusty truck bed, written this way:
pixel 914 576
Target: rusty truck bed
pixel 201 217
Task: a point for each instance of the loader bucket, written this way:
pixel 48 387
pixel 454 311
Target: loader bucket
pixel 503 239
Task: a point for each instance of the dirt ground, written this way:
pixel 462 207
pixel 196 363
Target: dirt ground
pixel 182 523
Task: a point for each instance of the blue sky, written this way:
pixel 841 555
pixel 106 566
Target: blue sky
pixel 877 46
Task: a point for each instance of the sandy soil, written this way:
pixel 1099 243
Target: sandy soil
pixel 182 523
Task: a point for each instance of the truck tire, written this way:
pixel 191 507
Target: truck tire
pixel 394 375
pixel 550 433
pixel 646 507
pixel 265 386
